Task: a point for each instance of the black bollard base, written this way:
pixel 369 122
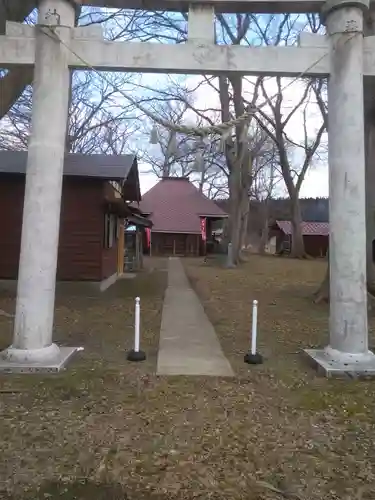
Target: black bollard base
pixel 136 355
pixel 253 359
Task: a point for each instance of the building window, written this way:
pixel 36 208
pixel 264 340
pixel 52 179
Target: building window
pixel 110 230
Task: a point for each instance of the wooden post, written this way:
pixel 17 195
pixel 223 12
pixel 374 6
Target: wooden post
pixel 141 249
pixel 137 247
pixel 120 247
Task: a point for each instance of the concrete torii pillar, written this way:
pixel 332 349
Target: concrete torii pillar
pixel 32 346
pixel 348 347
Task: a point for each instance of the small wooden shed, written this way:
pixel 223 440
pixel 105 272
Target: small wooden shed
pixel 96 193
pixel 315 237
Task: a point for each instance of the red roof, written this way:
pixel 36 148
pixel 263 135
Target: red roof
pixel 175 206
pixel 308 228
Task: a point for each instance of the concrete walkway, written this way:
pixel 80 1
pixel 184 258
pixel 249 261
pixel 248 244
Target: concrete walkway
pixel 188 342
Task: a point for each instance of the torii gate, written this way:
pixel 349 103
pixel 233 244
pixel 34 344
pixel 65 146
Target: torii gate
pixel 351 56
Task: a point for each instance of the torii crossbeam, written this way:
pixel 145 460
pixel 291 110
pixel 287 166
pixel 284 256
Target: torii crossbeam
pixel 344 55
pixel 226 6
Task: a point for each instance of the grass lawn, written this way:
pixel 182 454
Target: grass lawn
pixel 109 429
pixel 317 434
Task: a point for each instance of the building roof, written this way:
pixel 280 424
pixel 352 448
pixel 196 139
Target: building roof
pixel 308 228
pixel 175 206
pixel 118 168
pixel 106 167
pixel 138 220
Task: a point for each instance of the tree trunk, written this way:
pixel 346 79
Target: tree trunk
pixel 265 228
pixel 244 214
pixel 322 294
pixel 239 166
pixel 239 196
pixel 15 81
pixel 298 245
pixel 238 213
pixel 234 230
pixel 11 87
pixel 15 10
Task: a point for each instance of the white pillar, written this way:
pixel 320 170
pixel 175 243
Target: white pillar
pixel 346 157
pixel 369 101
pixel 32 340
pixel 201 23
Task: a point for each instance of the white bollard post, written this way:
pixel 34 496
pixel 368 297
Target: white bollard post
pixel 254 328
pixel 137 323
pixel 253 357
pixel 136 354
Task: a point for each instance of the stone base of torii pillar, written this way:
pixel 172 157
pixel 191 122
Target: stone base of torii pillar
pixel 347 352
pixel 32 348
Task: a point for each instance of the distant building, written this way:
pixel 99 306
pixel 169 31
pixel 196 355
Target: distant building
pixel 315 237
pixel 182 217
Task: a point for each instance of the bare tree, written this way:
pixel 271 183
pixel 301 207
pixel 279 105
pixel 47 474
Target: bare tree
pixel 274 30
pixel 267 176
pixel 116 25
pixel 235 100
pixel 97 122
pixel 180 154
pixel 174 154
pixel 13 82
pixel 275 124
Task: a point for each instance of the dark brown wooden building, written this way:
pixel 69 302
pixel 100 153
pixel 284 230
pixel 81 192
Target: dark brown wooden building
pixel 96 189
pixel 315 237
pixel 182 217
